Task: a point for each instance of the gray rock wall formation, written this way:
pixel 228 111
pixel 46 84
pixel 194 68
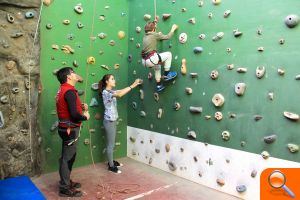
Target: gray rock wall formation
pixel 19 147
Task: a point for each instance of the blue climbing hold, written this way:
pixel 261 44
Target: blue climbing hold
pixel 198 50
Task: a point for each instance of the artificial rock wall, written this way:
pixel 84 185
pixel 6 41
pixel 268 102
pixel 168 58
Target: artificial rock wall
pixel 19 75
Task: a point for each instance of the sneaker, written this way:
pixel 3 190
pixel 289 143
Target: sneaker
pixel 75 184
pixel 114 169
pixel 70 193
pixel 116 163
pixel 160 88
pixel 170 76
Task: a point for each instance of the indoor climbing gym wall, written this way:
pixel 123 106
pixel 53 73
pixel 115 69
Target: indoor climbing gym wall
pixel 91 38
pixel 19 85
pixel 233 109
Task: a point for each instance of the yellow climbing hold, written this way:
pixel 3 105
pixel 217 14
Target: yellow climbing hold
pixel 121 35
pixel 91 60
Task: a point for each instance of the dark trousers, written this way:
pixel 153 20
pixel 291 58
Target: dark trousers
pixel 68 155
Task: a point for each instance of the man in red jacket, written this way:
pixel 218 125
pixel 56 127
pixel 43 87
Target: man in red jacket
pixel 71 112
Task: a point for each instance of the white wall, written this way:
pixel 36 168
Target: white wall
pixel 233 166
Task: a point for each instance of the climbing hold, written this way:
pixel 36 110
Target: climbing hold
pixel 159 113
pixel 202 36
pixel 15 90
pixel 141 94
pixel 116 66
pixel 265 155
pixel 172 166
pixel 241 70
pixel 1 120
pixel 29 15
pixel 226 135
pixel 271 95
pixel 270 139
pixel 200 3
pixel 210 15
pixel 143 113
pixel 227 13
pixel 67 49
pixel 280 71
pixel 253 173
pixel 97 116
pixel 55 46
pixel 54 126
pixel 138 29
pixel 134 105
pixel 80 25
pixel 112 43
pixel 228 50
pixel 182 38
pixel 70 36
pixel 281 41
pixel 94 102
pixel 48 150
pixel 260 71
pixel 102 17
pixel 197 50
pixel 167 147
pixel 237 33
pixel 132 139
pixel 218 116
pixel 218 36
pixel 10 65
pixel 4 99
pixel 207 117
pixel 195 158
pixel 240 88
pixel 156 96
pixel 91 60
pixel 194 74
pixel 78 9
pixel 95 86
pixel 232 115
pixel 241 188
pixel 10 18
pixel 166 16
pixel 176 105
pixel 230 66
pixel 293 148
pixel 260 49
pixel 218 100
pixel 214 74
pixel 105 67
pixel 147 17
pixel 188 90
pixel 49 26
pixel 216 2
pixel 66 22
pixel 259 31
pixel 102 35
pixel 220 182
pixel 243 143
pixel 138 45
pixel 192 20
pixel 291 20
pixel 183 66
pixel 27 83
pixel 194 109
pixel 291 116
pixel 86 141
pixel 106 7
pixel 183 9
pixel 297 77
pixel 16 35
pixel 192 135
pixel 75 63
pixel 257 117
pixel 121 35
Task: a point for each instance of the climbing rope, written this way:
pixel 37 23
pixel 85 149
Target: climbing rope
pixel 86 82
pixel 29 81
pixel 154 9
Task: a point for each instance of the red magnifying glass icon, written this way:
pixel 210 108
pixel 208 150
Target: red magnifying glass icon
pixel 277 180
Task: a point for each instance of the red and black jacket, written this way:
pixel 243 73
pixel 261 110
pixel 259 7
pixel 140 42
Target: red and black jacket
pixel 69 107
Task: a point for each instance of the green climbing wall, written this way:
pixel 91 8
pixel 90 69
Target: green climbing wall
pixel 98 16
pixel 248 16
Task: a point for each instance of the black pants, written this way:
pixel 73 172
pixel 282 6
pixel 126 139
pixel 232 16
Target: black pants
pixel 68 155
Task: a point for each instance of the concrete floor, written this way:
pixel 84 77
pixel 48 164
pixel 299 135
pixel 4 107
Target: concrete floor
pixel 137 181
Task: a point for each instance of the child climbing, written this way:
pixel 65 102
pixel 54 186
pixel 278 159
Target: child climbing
pixel 151 58
pixel 109 97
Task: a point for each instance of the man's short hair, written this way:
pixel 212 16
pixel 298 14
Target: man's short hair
pixel 62 74
pixel 150 26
